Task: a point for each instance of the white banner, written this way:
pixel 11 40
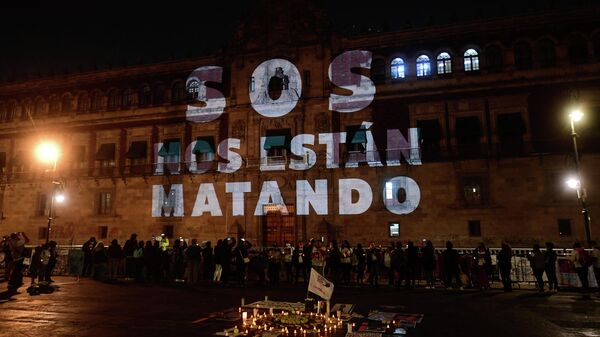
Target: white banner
pixel 319 285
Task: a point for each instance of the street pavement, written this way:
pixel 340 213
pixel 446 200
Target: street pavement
pixel 89 308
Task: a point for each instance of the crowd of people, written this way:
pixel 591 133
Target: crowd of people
pixel 233 261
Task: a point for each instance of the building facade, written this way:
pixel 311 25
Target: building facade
pixel 482 151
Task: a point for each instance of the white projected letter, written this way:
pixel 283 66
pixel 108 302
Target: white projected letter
pixel 277 74
pixel 306 197
pixel 309 157
pixel 206 201
pixel 233 160
pixel 213 99
pixel 340 74
pixel 365 196
pixel 398 146
pixel 167 203
pixel 333 141
pixel 237 190
pixel 401 195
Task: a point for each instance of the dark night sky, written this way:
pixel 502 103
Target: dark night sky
pixel 53 42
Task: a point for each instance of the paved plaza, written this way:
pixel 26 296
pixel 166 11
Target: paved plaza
pixel 90 308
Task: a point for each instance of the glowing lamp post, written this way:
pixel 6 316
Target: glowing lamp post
pixel 575 182
pixel 48 152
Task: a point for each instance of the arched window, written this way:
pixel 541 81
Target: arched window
pixel 193 89
pixel 39 108
pixel 96 103
pixel 113 99
pixel 577 49
pixel 178 93
pixel 397 68
pixel 378 70
pixel 493 58
pixel 159 94
pixel 67 104
pixel 145 95
pixel 54 108
pixel 444 63
pixel 423 66
pixel 83 103
pixel 471 60
pixel 523 58
pixel 126 98
pixel 545 52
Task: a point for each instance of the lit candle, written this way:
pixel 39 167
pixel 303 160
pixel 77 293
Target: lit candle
pixel 339 314
pixel 271 311
pixel 244 316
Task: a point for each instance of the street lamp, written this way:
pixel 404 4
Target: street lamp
pixel 49 152
pixel 575 182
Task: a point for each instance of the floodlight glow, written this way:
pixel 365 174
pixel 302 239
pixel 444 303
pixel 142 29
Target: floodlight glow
pixel 47 152
pixel 573 183
pixel 576 115
pixel 59 198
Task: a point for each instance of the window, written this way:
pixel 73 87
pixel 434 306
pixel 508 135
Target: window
pixel 472 190
pixel 474 228
pixel 106 157
pixel 103 232
pixel 204 149
pixel 67 104
pixel 137 153
pixel 145 95
pixel 277 144
pixel 105 203
pixel 444 63
pixel 78 160
pixel 54 106
pixel 193 89
pixel 523 59
pixel 41 205
pixel 493 58
pixel 471 60
pixel 251 84
pixel 96 103
pixel 113 99
pixel 468 135
pixel 158 94
pixel 397 69
pixel 430 135
pixel 394 229
pixel 564 227
pixel 423 66
pixel 126 98
pixel 83 103
pixel 378 71
pixel 545 52
pixel 577 49
pixel 42 233
pixel 170 151
pixel 510 133
pixel 178 93
pixel 356 141
pixel 168 231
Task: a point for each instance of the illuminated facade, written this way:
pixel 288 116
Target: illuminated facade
pixel 482 153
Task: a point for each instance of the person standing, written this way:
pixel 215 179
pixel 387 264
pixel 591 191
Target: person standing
pixel 99 260
pixel 115 255
pixel 298 261
pixel 317 258
pixel 138 259
pixel 538 265
pixel 88 252
pixel 218 257
pixel 505 265
pixel 346 262
pixel 412 258
pixel 208 261
pixel 128 248
pixel 596 261
pixel 483 263
pixel 451 265
pixel 51 262
pixel 288 252
pixel 373 264
pixel 550 267
pixel 17 244
pixel 193 256
pixel 582 260
pixel 428 263
pixel 361 264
